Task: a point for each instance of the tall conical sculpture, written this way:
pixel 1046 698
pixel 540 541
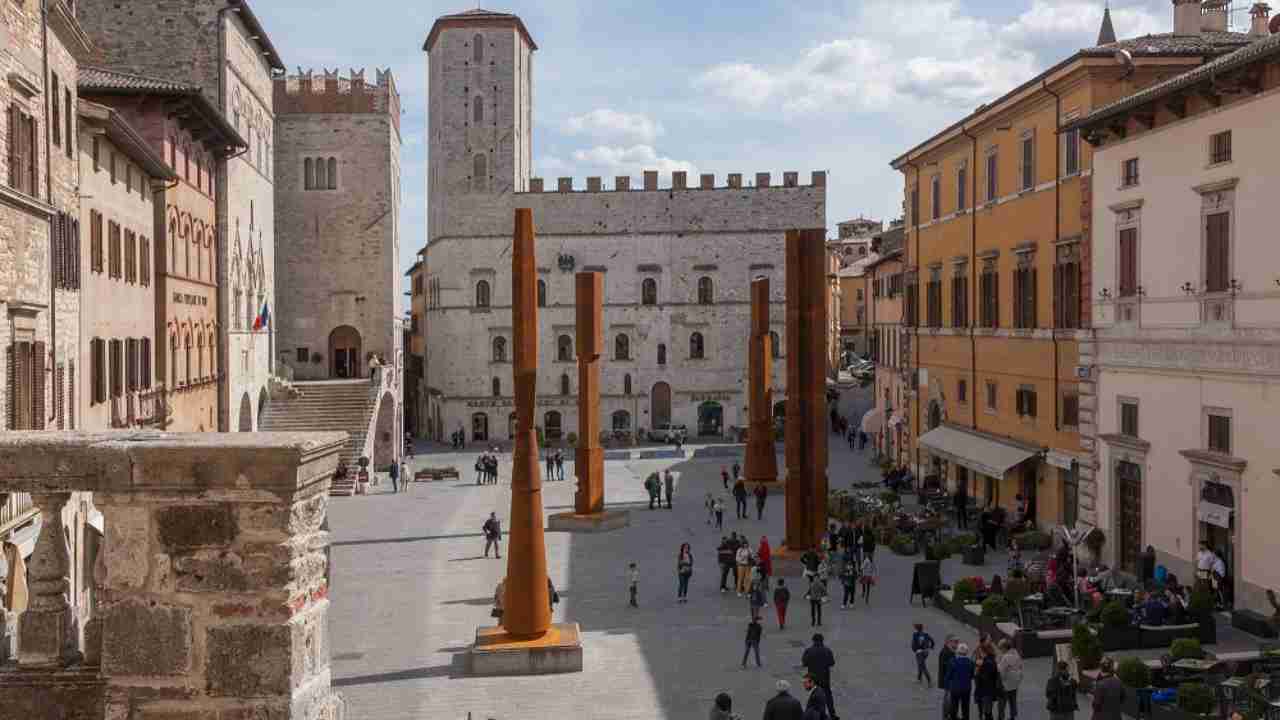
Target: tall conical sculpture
pixel 762 466
pixel 806 431
pixel 589 465
pixel 526 608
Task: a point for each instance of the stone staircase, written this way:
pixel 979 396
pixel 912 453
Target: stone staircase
pixel 345 405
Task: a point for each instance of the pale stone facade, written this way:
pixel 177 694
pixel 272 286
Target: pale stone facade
pixel 221 48
pixel 678 260
pixel 1187 352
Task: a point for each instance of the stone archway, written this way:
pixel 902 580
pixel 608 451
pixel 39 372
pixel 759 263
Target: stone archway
pixel 344 352
pixel 660 404
pixel 384 438
pixel 246 414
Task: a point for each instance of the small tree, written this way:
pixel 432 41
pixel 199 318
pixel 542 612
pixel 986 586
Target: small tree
pixel 1114 615
pixel 1196 698
pixel 1086 647
pixel 1134 673
pixel 1186 648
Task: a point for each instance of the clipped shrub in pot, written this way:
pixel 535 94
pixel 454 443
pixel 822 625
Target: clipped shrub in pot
pixel 1134 673
pixel 1196 698
pixel 1186 648
pixel 996 607
pixel 1086 647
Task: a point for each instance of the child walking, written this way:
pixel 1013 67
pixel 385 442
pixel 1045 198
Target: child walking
pixel 868 579
pixel 849 581
pixel 719 511
pixel 633 583
pixel 710 504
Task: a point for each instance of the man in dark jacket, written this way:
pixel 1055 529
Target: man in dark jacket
pixel 945 656
pixel 783 706
pixel 1108 693
pixel 818 660
pixel 815 708
pixel 754 632
pixel 724 554
pixel 1061 692
pixel 740 496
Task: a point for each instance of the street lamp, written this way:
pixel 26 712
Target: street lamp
pixel 1074 537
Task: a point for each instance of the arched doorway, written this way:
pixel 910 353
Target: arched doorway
pixel 511 426
pixel 552 427
pixel 263 398
pixel 344 352
pixel 246 414
pixel 710 419
pixel 660 404
pixel 480 427
pixel 384 439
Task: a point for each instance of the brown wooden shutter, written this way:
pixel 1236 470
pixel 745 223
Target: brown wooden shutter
pixel 1217 252
pixel 33 153
pixel 1032 304
pixel 59 395
pixel 15 152
pixel 37 386
pixel 11 373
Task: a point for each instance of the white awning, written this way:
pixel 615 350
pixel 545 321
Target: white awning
pixel 979 453
pixel 872 421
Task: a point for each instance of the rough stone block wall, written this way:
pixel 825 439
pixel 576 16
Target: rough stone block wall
pixel 338 263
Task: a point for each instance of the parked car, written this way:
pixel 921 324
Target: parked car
pixel 668 433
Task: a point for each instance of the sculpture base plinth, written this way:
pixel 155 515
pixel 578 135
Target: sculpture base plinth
pixel 606 521
pixel 495 652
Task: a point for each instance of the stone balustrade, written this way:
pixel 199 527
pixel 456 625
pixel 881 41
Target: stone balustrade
pixel 211 584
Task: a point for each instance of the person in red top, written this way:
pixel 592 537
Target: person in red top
pixel 764 556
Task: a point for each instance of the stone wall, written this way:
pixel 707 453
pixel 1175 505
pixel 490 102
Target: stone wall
pixel 213 580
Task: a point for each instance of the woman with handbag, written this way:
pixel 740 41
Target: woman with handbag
pixel 684 571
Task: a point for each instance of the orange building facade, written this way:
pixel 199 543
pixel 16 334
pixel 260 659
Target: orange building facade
pixel 997 291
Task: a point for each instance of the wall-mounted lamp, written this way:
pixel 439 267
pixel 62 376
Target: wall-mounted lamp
pixel 1142 292
pixel 1190 289
pixel 1105 293
pixel 1236 286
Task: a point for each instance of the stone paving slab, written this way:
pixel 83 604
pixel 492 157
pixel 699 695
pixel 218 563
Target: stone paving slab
pixel 410 586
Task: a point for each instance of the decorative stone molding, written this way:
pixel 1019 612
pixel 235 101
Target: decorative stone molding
pixel 1210 459
pixel 1217 186
pixel 1126 205
pixel 1190 356
pixel 1126 441
pixel 706 267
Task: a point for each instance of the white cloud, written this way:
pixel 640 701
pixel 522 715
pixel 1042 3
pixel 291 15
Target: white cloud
pixel 612 125
pixel 612 160
pixel 923 53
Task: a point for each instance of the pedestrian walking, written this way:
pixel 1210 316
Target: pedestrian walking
pixel 921 646
pixel 1108 693
pixel 986 684
pixel 480 469
pixel 818 660
pixel 669 480
pixel 710 505
pixel 945 656
pixel 724 476
pixel 654 487
pixel 762 495
pixel 849 583
pixel 781 598
pixel 684 571
pixel 737 470
pixel 722 708
pixel 740 496
pixel 742 558
pixel 394 472
pixel 853 439
pixel 824 573
pixel 868 544
pixel 810 562
pixel 404 477
pixel 783 706
pixel 725 555
pixel 719 510
pixel 961 502
pixel 560 464
pixel 492 530
pixel 867 578
pixel 816 595
pixel 551 467
pixel 1061 691
pixel 1010 667
pixel 960 674
pixel 553 597
pixel 764 559
pixel 757 592
pixel 633 583
pixel 847 538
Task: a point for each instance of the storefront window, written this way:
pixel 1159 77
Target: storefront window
pixel 1070 496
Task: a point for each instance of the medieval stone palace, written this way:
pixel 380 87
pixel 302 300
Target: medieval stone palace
pixel 678 260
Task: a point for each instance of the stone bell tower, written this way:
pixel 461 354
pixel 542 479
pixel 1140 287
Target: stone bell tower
pixel 479 110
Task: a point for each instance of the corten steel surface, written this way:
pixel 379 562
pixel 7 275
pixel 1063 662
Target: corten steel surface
pixel 806 436
pixel 762 466
pixel 589 300
pixel 526 607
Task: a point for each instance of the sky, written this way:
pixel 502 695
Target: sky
pixel 722 86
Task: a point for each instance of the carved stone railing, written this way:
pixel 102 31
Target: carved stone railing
pixel 211 582
pixel 15 509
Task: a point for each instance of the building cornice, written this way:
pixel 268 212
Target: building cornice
pixel 1212 459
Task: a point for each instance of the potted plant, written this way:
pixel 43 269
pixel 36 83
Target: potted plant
pixel 1086 647
pixel 1200 608
pixel 904 544
pixel 996 608
pixel 1186 648
pixel 937 551
pixel 965 592
pixel 362 476
pixel 1118 633
pixel 1196 698
pixel 572 439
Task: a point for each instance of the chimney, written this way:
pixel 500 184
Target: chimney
pixel 1261 13
pixel 1214 15
pixel 1186 17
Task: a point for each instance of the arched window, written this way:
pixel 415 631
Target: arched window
pixel 497 387
pixel 480 173
pixel 173 361
pixel 564 348
pixel 322 174
pixel 564 383
pixel 776 344
pixel 199 356
pixel 542 293
pixel 333 173
pixel 662 353
pixel 499 349
pixel 622 348
pixel 696 348
pixel 477 110
pixel 626 384
pixel 477 48
pixel 482 294
pixel 187 375
pixel 649 292
pixel 705 295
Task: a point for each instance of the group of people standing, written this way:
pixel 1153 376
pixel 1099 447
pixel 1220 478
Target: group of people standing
pixel 555 466
pixel 487 469
pixel 655 483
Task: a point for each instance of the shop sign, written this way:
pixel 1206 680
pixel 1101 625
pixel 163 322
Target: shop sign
pixel 180 298
pixel 711 397
pixel 1215 514
pixel 1059 459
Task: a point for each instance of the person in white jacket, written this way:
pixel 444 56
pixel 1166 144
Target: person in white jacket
pixel 743 560
pixel 1010 667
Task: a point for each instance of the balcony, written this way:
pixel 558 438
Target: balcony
pixel 212 582
pixel 15 510
pixel 143 408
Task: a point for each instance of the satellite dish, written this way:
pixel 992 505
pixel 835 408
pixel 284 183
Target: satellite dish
pixel 1275 25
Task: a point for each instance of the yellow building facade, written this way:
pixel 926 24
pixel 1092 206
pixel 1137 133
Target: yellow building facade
pixel 997 281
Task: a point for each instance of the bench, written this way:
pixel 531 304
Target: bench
pixel 1161 636
pixel 1254 623
pixel 427 474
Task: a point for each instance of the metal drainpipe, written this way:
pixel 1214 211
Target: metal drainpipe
pixel 224 328
pixel 915 342
pixel 973 274
pixel 1057 232
pixel 48 194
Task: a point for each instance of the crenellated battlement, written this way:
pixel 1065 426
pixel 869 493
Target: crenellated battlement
pixel 678 180
pixel 329 91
